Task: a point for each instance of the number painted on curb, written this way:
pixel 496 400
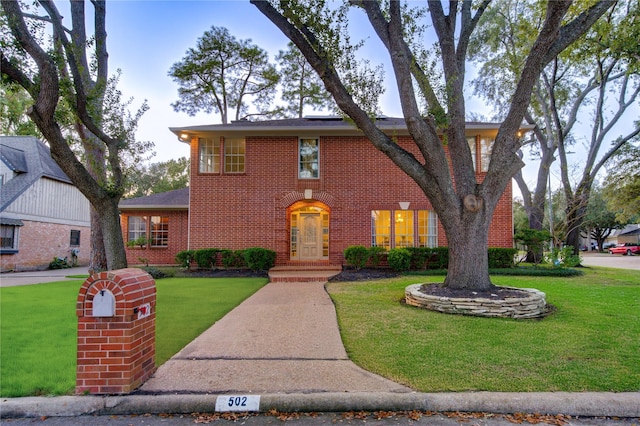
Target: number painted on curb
pixel 238 403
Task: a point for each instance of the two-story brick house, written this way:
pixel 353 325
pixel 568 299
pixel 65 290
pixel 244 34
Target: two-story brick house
pixel 308 188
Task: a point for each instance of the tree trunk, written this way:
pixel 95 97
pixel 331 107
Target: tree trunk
pixel 468 238
pixel 112 235
pixel 98 257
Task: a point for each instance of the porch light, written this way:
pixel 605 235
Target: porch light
pixel 404 205
pixel 184 137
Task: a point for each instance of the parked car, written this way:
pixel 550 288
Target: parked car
pixel 626 248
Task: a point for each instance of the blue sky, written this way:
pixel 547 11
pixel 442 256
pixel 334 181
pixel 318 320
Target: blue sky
pixel 146 37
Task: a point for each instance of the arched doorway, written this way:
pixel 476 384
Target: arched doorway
pixel 309 231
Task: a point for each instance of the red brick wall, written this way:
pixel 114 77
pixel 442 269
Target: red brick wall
pixel 250 209
pixel 40 242
pixel 178 238
pixel 116 354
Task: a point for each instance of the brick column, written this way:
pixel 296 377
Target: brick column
pixel 116 331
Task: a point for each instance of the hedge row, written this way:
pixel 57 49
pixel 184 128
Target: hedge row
pixel 254 258
pixel 419 258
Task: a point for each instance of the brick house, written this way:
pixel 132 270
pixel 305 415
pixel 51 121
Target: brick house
pixel 163 219
pixel 42 214
pixel 308 188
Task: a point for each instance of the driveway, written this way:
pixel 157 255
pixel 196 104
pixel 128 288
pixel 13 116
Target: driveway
pixel 610 260
pixel 10 279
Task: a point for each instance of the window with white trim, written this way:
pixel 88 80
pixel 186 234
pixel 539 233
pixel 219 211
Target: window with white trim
pixel 471 140
pixel 427 228
pixel 486 148
pixel 159 231
pixel 403 228
pixel 209 156
pixel 137 227
pixel 309 158
pixel 381 228
pixel 234 155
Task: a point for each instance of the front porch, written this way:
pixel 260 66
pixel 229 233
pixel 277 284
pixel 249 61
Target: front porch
pixel 300 271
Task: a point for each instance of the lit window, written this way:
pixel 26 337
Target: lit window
pixel 486 147
pixel 159 231
pixel 137 227
pixel 381 228
pixel 403 228
pixel 309 155
pixel 209 156
pixel 427 228
pixel 234 155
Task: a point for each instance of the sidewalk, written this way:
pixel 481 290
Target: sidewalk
pixel 282 346
pixel 10 279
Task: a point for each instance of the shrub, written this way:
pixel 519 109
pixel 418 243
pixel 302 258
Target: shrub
pixel 399 259
pixel 206 258
pixel 59 263
pixel 439 258
pixel 375 255
pixel 419 257
pixel 563 257
pixel 232 259
pixel 259 259
pixel 185 257
pixel 357 256
pixel 140 241
pixel 155 273
pixel 501 257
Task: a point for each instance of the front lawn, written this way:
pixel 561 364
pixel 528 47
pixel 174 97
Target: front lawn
pixel 591 343
pixel 38 326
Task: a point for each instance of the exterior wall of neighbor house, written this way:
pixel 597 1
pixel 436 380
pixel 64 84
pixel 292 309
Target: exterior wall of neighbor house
pixel 177 237
pixel 49 211
pixel 234 211
pixel 41 242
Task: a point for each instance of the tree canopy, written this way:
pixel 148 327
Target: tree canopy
pixel 464 206
pixel 223 74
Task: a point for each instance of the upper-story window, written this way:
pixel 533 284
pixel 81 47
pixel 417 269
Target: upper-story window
pixel 486 148
pixel 209 156
pixel 234 155
pixel 309 158
pixel 471 140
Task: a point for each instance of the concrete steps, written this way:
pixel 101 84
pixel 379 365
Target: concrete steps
pixel 295 272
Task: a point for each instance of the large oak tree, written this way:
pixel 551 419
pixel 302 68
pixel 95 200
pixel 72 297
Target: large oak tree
pixel 74 68
pixel 464 206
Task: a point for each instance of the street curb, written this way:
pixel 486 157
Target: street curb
pixel 584 404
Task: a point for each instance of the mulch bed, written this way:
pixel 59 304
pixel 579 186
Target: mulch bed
pixel 350 274
pixel 496 293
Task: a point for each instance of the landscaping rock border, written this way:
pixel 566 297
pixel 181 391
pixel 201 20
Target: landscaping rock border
pixel 533 305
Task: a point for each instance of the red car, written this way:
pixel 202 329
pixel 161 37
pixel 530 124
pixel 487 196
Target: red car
pixel 626 248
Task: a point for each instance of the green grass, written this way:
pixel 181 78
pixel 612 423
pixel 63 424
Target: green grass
pixel 38 327
pixel 591 343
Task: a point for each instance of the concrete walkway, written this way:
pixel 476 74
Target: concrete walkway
pixel 11 279
pixel 283 339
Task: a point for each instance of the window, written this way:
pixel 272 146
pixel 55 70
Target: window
pixel 486 147
pixel 427 228
pixel 74 239
pixel 308 153
pixel 472 147
pixel 381 228
pixel 234 155
pixel 159 231
pixel 403 228
pixel 9 238
pixel 137 227
pixel 209 156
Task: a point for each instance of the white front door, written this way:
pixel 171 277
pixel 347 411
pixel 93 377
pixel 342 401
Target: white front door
pixel 310 232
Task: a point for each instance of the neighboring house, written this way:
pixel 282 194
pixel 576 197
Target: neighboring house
pixel 307 189
pixel 628 234
pixel 160 219
pixel 42 214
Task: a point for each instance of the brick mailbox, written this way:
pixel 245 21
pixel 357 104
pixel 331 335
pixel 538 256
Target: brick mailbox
pixel 116 331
